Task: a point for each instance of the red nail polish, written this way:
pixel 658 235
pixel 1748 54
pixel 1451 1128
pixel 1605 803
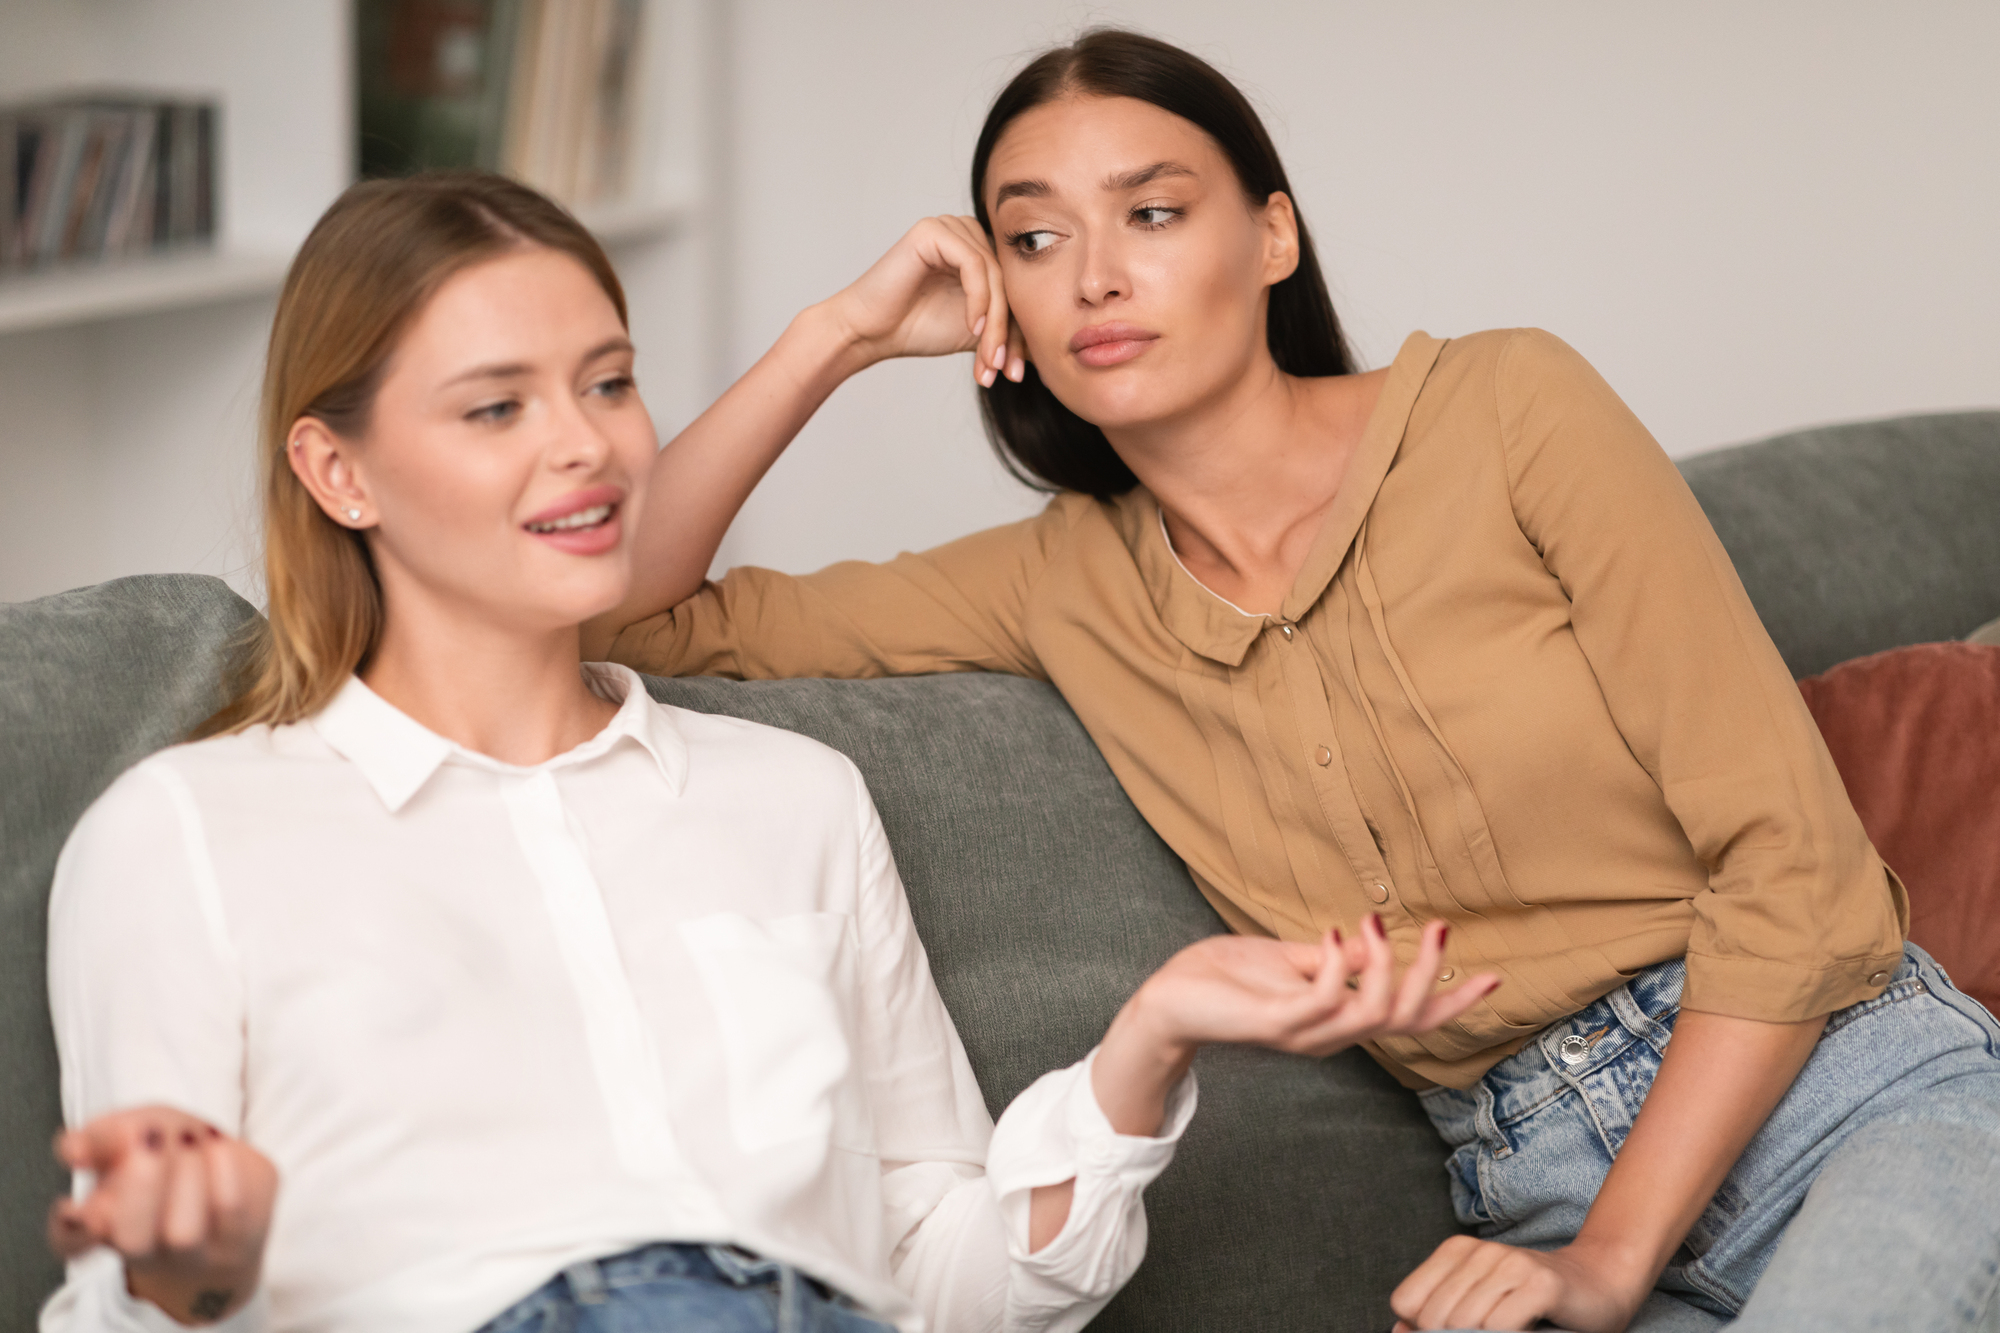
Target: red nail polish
pixel 188 1140
pixel 213 1132
pixel 1336 936
pixel 1375 920
pixel 154 1141
pixel 1444 933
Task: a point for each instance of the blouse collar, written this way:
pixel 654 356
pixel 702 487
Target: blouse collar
pixel 397 754
pixel 1216 628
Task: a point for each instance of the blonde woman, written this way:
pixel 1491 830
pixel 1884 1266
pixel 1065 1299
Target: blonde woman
pixel 453 983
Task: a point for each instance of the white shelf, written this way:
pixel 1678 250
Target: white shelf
pixel 135 287
pixel 83 294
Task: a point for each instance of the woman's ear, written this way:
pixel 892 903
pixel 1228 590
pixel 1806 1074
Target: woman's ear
pixel 323 462
pixel 1281 238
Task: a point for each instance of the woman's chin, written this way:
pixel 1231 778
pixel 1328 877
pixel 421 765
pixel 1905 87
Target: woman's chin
pixel 1127 401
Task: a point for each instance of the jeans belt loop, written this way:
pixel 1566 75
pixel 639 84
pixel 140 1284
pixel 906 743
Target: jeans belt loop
pixel 586 1282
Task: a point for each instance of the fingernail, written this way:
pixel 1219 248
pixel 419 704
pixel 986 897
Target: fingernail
pixel 1375 920
pixel 188 1140
pixel 1000 357
pixel 1016 369
pixel 1444 933
pixel 213 1132
pixel 1336 936
pixel 154 1140
pixel 986 378
pixel 979 326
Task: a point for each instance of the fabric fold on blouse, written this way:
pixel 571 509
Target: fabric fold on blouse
pixel 1516 685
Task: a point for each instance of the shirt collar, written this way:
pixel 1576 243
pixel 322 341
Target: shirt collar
pixel 1221 631
pixel 397 754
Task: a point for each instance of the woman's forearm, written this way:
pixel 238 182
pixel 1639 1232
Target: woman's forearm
pixel 1137 1067
pixel 1719 1081
pixel 701 478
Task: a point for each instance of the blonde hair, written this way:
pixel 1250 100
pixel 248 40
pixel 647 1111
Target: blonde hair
pixel 370 265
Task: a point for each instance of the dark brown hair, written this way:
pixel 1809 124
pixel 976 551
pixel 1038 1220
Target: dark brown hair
pixel 1042 442
pixel 365 271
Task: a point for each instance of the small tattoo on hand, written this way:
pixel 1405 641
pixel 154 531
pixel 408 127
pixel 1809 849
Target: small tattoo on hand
pixel 211 1304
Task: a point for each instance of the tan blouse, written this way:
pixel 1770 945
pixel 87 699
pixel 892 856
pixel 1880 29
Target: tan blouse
pixel 1517 686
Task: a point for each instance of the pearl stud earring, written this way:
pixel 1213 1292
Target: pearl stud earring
pixel 354 516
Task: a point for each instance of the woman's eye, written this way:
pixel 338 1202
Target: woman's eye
pixel 1032 242
pixel 494 412
pixel 614 388
pixel 1155 215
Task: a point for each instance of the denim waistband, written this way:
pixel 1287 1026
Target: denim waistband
pixel 1643 1009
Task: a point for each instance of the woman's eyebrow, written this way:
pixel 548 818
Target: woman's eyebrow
pixel 1132 180
pixel 509 369
pixel 1021 190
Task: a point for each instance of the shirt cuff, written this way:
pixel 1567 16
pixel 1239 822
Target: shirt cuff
pixel 95 1300
pixel 1056 1131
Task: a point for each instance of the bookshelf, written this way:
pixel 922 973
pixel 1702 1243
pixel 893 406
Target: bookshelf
pixel 85 293
pixel 128 389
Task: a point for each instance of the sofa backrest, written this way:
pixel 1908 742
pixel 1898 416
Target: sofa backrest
pixel 1856 538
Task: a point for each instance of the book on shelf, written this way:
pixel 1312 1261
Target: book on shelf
pixel 92 176
pixel 543 90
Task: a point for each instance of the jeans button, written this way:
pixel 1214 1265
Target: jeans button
pixel 1573 1049
pixel 1877 978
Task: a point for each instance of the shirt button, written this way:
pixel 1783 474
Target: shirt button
pixel 1286 630
pixel 1447 974
pixel 1877 978
pixel 1380 893
pixel 1322 756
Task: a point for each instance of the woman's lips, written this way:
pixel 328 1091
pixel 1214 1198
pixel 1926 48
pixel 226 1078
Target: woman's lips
pixel 1110 344
pixel 582 523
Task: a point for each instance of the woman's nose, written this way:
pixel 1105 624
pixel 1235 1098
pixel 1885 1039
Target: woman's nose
pixel 577 442
pixel 1103 277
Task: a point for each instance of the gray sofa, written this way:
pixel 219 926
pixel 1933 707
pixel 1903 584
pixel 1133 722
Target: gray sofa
pixel 1305 1189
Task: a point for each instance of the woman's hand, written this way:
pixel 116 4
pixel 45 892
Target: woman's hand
pixel 1469 1283
pixel 186 1206
pixel 1308 999
pixel 937 291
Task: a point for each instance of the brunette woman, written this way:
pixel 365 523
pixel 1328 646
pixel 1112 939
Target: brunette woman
pixel 476 988
pixel 1443 644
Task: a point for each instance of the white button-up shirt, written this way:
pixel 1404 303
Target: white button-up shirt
pixel 489 1021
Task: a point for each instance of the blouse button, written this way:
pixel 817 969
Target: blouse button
pixel 1447 974
pixel 1877 978
pixel 1286 630
pixel 1322 756
pixel 1380 893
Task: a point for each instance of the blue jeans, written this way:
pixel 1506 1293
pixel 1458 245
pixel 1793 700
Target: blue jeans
pixel 1869 1201
pixel 682 1289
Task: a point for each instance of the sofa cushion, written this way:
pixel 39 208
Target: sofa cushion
pixel 91 682
pixel 1857 538
pixel 1304 1189
pixel 1915 733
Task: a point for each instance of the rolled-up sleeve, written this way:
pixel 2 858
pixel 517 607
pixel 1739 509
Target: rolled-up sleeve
pixel 955 1186
pixel 1800 917
pixel 957 607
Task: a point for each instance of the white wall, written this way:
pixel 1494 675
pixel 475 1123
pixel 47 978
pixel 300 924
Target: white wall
pixel 1751 217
